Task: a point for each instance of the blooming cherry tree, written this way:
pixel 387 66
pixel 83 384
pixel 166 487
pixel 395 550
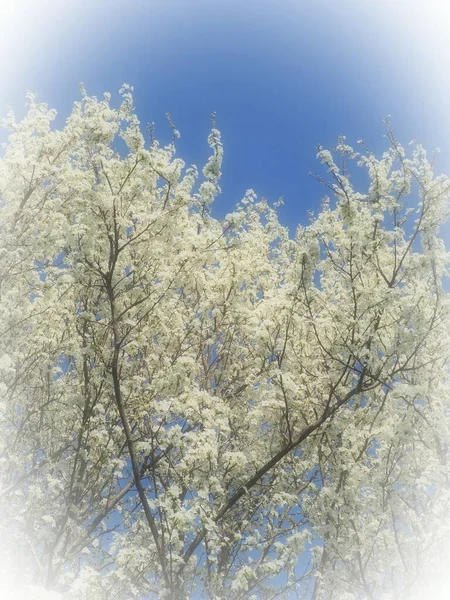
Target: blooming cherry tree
pixel 204 408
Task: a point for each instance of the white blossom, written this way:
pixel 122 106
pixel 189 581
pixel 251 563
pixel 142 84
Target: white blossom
pixel 192 406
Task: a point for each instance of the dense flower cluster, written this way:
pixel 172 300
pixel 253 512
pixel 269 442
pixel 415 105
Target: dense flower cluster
pixel 195 408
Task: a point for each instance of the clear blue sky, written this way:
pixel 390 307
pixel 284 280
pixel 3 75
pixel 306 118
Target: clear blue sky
pixel 282 76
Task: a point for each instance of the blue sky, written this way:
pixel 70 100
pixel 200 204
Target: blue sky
pixel 282 77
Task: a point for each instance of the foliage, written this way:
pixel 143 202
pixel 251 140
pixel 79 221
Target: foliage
pixel 202 408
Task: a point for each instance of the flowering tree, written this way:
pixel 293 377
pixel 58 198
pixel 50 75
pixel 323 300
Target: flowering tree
pixel 195 408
